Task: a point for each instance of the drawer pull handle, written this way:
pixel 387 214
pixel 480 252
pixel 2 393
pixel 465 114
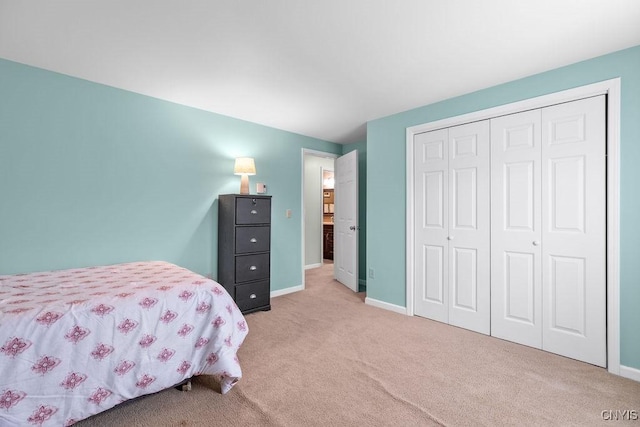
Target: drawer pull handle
pixel 253 240
pixel 252 296
pixel 254 212
pixel 253 268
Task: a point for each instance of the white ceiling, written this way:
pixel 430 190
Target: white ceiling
pixel 321 68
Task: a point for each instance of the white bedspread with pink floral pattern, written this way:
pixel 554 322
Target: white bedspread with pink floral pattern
pixel 77 342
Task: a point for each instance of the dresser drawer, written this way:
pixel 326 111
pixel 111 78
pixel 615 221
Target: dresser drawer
pixel 253 210
pixel 252 267
pixel 252 295
pixel 252 239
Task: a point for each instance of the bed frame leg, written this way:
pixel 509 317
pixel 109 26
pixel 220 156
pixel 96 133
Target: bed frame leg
pixel 185 386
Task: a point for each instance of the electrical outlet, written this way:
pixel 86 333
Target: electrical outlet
pixel 372 274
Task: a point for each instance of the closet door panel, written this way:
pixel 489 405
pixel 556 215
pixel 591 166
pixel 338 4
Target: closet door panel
pixel 516 228
pixel 464 202
pixel 519 195
pixel 574 230
pixel 519 287
pixel 431 225
pixel 567 194
pixel 567 291
pixel 464 279
pixel 469 227
pixel 433 274
pixel 433 184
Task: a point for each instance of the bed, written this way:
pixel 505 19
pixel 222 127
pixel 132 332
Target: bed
pixel 74 343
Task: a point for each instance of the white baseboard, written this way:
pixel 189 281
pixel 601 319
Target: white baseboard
pixel 631 373
pixel 287 291
pixel 385 305
pixel 310 266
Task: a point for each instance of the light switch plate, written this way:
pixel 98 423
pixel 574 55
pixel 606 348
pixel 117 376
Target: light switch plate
pixel 261 188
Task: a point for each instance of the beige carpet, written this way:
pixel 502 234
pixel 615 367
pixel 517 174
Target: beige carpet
pixel 321 357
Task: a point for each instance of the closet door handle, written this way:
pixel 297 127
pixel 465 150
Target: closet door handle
pixel 253 240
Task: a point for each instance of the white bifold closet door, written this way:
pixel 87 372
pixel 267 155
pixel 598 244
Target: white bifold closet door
pixel 548 229
pixel 516 230
pixel 452 243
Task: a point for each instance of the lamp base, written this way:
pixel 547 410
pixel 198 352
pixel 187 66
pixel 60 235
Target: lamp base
pixel 244 184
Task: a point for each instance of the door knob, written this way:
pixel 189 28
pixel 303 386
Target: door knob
pixel 536 243
pixel 352 228
pixel 449 237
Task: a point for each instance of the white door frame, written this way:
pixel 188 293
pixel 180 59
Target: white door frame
pixel 608 87
pixel 304 152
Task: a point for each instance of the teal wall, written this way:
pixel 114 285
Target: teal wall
pixel 386 158
pixel 362 208
pixel 94 175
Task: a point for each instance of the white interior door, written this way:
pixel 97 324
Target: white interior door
pixel 469 227
pixel 516 311
pixel 451 181
pixel 574 230
pixel 345 249
pixel 431 275
pixel 548 237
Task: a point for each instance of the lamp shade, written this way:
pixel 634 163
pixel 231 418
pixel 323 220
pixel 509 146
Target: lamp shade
pixel 244 165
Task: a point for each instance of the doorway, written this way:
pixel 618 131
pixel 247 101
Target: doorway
pixel 345 212
pixel 328 213
pixel 318 207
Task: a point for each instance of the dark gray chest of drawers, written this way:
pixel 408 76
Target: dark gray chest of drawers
pixel 244 243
